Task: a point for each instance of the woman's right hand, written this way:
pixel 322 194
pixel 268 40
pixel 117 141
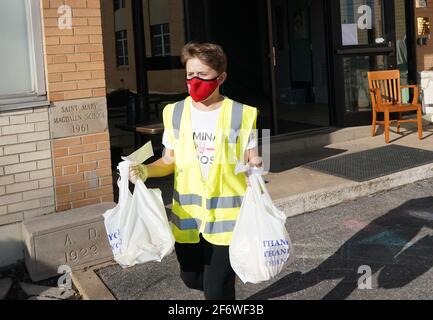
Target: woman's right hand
pixel 138 171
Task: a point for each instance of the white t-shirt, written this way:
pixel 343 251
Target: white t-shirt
pixel 204 125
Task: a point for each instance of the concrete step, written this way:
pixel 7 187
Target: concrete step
pixel 305 141
pixel 74 238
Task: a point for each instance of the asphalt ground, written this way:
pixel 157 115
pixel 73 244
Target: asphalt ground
pixel 389 233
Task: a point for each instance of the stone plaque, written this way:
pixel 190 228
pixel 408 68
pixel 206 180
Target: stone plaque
pixel 74 238
pixel 78 117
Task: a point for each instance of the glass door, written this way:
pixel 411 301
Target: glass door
pixel 299 65
pixel 366 37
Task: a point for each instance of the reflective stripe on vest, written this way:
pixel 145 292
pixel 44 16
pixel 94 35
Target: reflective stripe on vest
pixel 220 226
pixel 235 124
pixel 212 203
pixel 223 202
pixel 210 228
pixel 177 117
pixel 185 224
pixel 236 121
pixel 187 199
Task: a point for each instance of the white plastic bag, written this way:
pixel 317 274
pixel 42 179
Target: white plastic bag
pixel 138 228
pixel 261 245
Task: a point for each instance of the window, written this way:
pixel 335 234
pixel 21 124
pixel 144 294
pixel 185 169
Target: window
pixel 119 4
pixel 122 48
pixel 160 40
pixel 21 55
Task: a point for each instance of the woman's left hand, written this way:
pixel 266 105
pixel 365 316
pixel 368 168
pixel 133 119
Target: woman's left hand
pixel 253 162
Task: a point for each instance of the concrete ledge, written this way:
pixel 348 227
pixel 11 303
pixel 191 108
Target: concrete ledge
pixel 90 286
pixel 322 198
pixel 75 238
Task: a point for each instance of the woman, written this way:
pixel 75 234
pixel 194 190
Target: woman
pixel 203 136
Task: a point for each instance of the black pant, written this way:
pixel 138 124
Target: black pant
pixel 206 267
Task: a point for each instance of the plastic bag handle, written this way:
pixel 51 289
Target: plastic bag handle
pixel 258 185
pixel 123 181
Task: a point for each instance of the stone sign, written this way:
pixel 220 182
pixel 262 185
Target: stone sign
pixel 74 238
pixel 78 117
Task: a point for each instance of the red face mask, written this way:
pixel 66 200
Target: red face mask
pixel 200 89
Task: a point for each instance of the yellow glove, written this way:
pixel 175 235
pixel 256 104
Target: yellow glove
pixel 138 171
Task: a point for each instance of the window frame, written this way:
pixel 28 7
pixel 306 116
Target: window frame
pixel 38 95
pixel 124 42
pixel 161 35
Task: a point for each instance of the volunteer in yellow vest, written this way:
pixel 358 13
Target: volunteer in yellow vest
pixel 204 136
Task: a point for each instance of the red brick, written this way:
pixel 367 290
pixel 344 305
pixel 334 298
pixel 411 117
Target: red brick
pixel 99 191
pixel 90 66
pixel 60 59
pixel 78 94
pixel 101 92
pixel 106 181
pixel 94 21
pixel 84 148
pixel 106 163
pixel 86 13
pixel 65 161
pixel 98 173
pixel 86 202
pixel 104 145
pixel 108 198
pixel 60 152
pixel 80 186
pixel 72 76
pixel 59 181
pixel 62 198
pixel 66 142
pixel 90 166
pixel 63 189
pixel 54 77
pixel 70 170
pixel 58 172
pixel 94 4
pixel 56 96
pixel 88 30
pixel 98 137
pixel 99 155
pixel 103 172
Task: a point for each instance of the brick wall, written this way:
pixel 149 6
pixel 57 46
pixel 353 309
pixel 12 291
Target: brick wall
pixel 74 57
pixel 75 69
pixel 82 171
pixel 26 176
pixel 38 174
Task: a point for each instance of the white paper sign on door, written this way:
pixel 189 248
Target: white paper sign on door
pixel 349 32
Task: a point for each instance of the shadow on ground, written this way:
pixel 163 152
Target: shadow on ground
pixel 389 245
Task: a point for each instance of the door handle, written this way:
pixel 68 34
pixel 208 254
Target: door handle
pixel 274 57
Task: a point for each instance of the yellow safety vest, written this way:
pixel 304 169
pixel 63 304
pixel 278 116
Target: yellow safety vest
pixel 208 207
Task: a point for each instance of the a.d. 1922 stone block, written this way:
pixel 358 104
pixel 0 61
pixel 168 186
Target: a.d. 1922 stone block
pixel 75 238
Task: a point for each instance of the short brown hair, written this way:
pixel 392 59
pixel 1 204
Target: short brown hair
pixel 209 53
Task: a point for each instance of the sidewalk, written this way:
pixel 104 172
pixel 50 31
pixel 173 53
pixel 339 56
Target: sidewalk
pixel 316 236
pixel 298 190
